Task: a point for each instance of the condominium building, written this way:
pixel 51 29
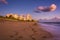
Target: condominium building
pixel 21 17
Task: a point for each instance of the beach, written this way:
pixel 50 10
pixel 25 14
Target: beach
pixel 21 30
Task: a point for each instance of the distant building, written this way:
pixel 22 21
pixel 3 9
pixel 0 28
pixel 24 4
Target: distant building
pixel 28 17
pixel 8 15
pixel 15 16
pixel 21 17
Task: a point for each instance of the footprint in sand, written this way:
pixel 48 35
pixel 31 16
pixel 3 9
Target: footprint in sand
pixel 15 36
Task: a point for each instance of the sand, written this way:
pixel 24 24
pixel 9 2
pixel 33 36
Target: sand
pixel 17 30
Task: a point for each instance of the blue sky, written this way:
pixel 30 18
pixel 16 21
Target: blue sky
pixel 29 6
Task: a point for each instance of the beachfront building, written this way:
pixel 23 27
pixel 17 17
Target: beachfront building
pixel 8 15
pixel 21 17
pixel 28 17
pixel 15 16
pixel 12 15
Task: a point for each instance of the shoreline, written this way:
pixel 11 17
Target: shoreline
pixel 54 30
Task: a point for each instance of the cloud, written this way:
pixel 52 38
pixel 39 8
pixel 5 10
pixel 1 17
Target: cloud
pixel 37 11
pixel 4 1
pixel 46 9
pixel 53 7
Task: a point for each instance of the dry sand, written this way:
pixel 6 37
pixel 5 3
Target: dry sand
pixel 17 30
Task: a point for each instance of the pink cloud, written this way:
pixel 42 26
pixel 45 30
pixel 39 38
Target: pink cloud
pixel 46 9
pixel 4 1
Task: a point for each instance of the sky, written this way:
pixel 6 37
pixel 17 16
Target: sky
pixel 29 6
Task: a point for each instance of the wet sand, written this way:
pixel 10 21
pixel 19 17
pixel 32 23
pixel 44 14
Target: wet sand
pixel 54 30
pixel 17 30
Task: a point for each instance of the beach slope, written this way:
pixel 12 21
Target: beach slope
pixel 17 30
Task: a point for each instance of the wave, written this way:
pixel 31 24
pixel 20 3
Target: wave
pixel 54 30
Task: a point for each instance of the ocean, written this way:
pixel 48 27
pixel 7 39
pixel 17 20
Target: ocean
pixel 53 28
pixel 53 23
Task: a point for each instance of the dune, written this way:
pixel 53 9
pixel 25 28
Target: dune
pixel 17 30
